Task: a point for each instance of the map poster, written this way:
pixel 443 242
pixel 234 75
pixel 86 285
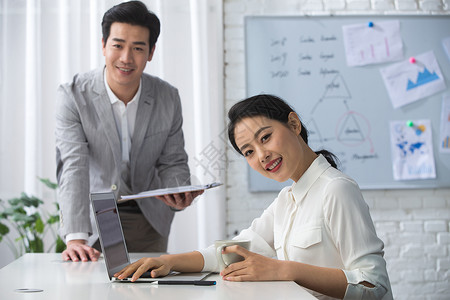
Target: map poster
pixel 412 150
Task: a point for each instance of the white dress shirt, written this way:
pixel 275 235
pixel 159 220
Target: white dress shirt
pixel 321 220
pixel 125 117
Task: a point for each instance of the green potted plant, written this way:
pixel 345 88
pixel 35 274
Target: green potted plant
pixel 31 223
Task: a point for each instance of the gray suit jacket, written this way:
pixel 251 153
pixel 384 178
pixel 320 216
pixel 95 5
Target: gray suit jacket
pixel 88 150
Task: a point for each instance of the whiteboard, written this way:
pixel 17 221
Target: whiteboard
pixel 302 60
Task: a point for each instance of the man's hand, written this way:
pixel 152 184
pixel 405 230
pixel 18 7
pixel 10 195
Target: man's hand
pixel 78 250
pixel 180 200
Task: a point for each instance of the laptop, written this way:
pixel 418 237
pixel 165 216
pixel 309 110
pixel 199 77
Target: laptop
pixel 113 244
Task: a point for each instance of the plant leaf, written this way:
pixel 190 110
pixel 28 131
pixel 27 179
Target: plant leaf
pixel 16 201
pixel 4 230
pixel 34 201
pixel 31 229
pixel 21 218
pixel 36 246
pixel 39 225
pixel 60 245
pixel 48 183
pixel 53 219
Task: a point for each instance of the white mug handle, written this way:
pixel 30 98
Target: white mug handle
pixel 222 264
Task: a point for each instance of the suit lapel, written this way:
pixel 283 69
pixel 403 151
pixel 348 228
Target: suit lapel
pixel 142 121
pixel 104 111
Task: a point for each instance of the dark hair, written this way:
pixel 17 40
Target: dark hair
pixel 271 107
pixel 133 13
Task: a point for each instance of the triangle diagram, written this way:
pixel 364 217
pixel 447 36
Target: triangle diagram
pixel 350 130
pixel 337 89
pixel 314 132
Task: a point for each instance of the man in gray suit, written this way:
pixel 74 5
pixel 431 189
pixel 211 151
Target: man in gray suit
pixel 119 129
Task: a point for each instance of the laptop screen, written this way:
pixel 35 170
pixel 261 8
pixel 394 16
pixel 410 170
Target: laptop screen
pixel 113 242
pixel 110 230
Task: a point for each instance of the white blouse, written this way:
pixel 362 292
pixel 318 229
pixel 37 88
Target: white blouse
pixel 321 220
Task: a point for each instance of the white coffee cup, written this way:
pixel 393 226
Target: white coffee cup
pixel 225 260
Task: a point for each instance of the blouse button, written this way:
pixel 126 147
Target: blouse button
pixel 114 187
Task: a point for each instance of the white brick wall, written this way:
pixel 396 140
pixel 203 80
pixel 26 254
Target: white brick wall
pixel 414 224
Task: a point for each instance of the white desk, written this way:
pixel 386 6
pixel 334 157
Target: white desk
pixel 68 280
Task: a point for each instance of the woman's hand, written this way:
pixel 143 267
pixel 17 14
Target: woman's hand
pixel 159 267
pixel 255 267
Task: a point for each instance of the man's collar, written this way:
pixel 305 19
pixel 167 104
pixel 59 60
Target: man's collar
pixel 113 98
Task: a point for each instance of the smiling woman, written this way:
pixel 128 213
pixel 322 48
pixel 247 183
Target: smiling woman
pixel 263 114
pixel 271 148
pixel 319 229
pixel 308 218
